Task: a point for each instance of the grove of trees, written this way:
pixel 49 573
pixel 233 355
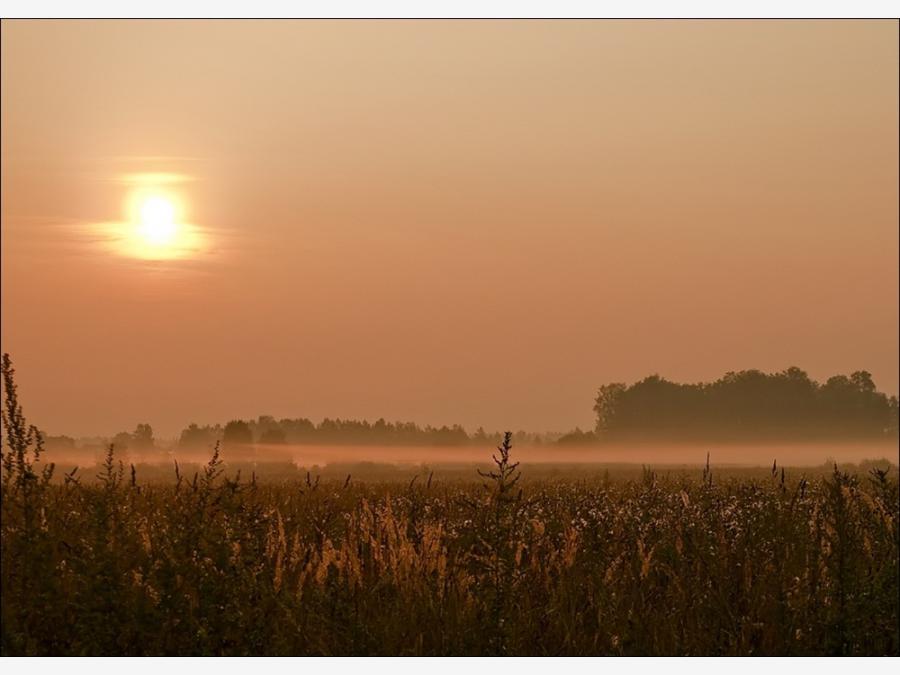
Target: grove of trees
pixel 748 404
pixel 266 430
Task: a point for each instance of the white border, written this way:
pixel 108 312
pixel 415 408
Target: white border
pixel 456 9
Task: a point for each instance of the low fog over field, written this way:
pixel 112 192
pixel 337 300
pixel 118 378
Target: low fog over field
pixel 306 456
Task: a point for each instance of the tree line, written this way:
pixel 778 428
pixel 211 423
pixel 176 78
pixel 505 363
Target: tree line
pixel 748 404
pixel 744 405
pixel 266 430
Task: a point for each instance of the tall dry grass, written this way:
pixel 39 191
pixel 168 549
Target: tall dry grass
pixel 218 564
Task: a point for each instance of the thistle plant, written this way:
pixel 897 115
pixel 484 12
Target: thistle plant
pixel 506 476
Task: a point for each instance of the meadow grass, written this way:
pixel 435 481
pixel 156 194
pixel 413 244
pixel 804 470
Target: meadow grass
pixel 212 563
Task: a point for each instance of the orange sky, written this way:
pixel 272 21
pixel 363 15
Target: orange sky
pixel 473 222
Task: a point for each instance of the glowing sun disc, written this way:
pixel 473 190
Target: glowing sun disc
pixel 157 221
pixel 155 227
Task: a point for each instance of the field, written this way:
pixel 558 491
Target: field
pixel 690 562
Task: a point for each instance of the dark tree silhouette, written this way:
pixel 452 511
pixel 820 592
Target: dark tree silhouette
pixel 749 404
pixel 197 437
pixel 237 433
pixel 142 437
pixel 122 441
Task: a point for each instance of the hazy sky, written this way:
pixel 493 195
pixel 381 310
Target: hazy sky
pixel 473 222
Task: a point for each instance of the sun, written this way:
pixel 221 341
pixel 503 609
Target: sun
pixel 157 224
